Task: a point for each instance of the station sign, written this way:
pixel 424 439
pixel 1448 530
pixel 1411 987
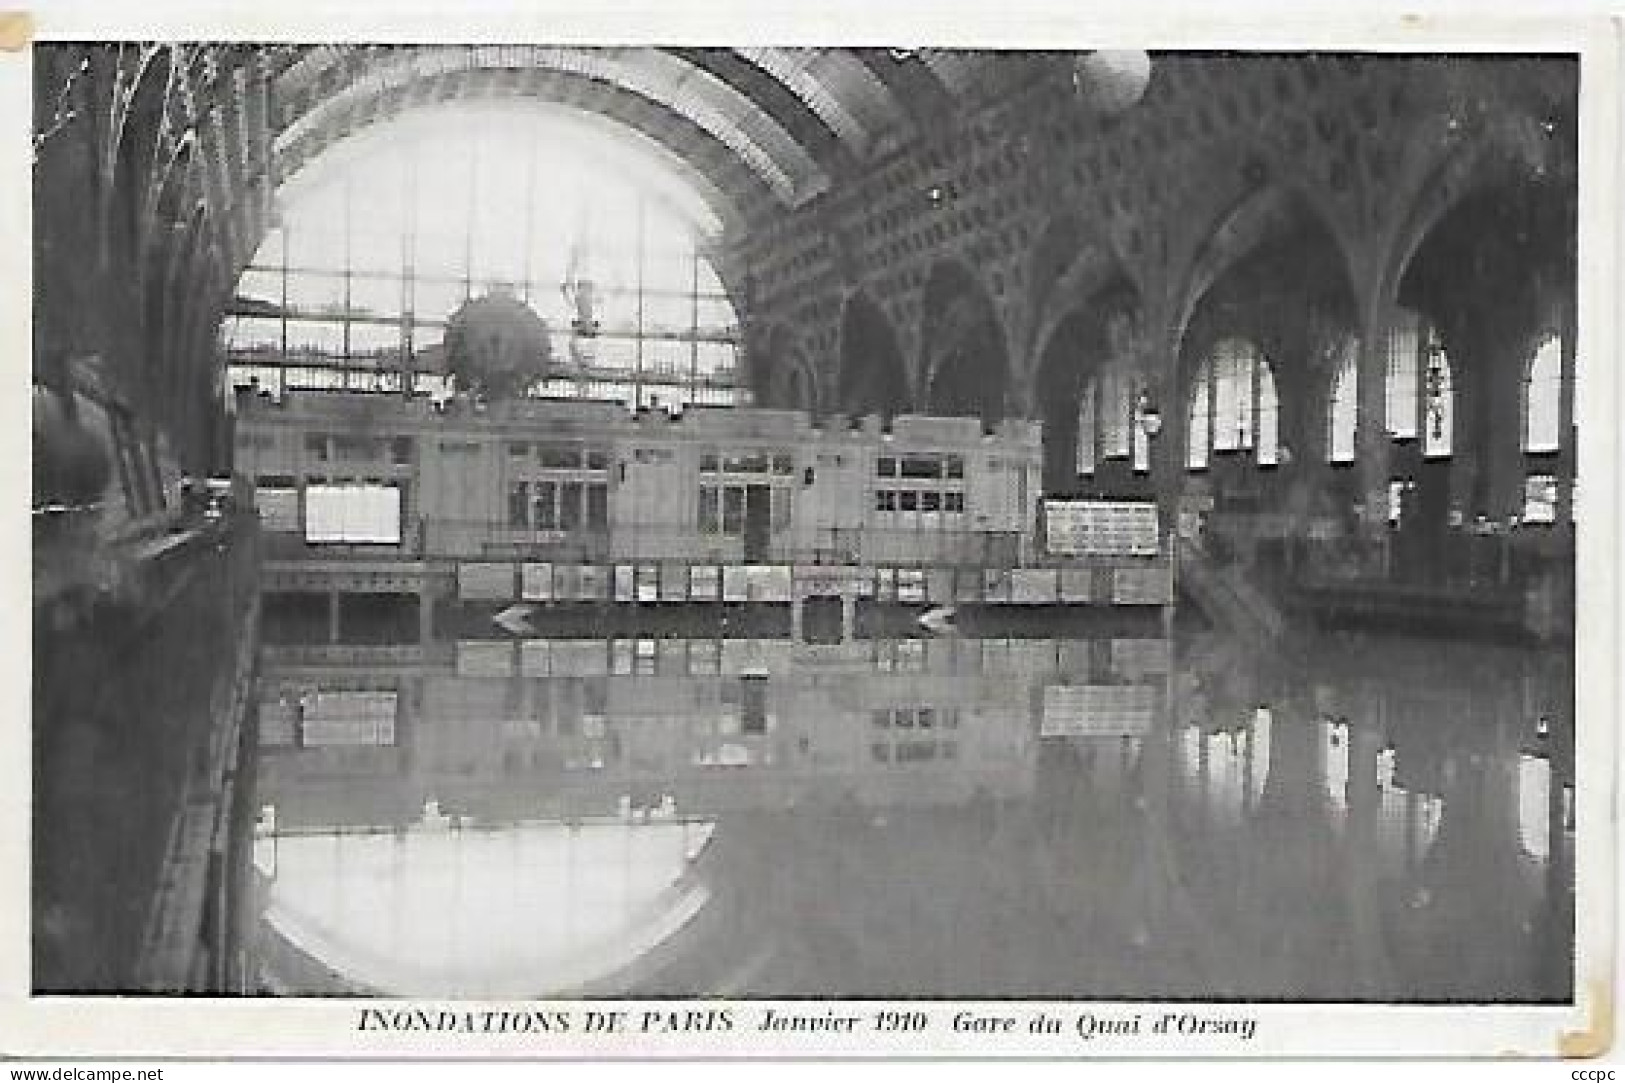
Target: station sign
pixel 1100 528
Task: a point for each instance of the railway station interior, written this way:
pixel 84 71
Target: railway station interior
pixel 521 521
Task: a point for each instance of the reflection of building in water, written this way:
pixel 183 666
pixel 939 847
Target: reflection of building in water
pixel 575 729
pixel 573 786
pixel 433 910
pixel 1408 812
pixel 704 817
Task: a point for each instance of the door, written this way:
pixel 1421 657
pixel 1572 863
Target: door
pixel 758 522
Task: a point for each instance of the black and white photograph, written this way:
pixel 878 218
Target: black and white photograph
pixel 814 547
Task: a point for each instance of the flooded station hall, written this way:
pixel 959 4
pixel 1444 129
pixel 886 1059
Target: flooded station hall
pixel 597 522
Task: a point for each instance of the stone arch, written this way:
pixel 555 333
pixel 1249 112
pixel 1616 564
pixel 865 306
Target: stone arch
pixel 872 378
pixel 792 380
pixel 1062 281
pixel 1074 351
pixel 964 362
pixel 1275 275
pixel 1494 273
pixel 1264 216
pixel 778 365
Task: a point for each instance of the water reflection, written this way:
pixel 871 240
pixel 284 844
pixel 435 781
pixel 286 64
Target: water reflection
pixel 1095 816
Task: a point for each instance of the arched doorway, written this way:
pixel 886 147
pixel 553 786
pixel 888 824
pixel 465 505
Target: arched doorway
pixel 1273 318
pixel 872 377
pixel 1489 293
pixel 1088 398
pixel 965 366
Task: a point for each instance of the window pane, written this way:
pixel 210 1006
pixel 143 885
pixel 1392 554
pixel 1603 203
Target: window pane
pixel 570 505
pixel 315 340
pixel 256 335
pixel 597 506
pixel 519 504
pixel 437 299
pixel 1085 458
pixel 733 510
pixel 1403 378
pixel 1268 418
pixel 375 343
pixel 1344 411
pixel 708 510
pixel 376 296
pixel 1542 395
pixel 547 516
pixel 315 294
pixel 263 287
pixel 1201 434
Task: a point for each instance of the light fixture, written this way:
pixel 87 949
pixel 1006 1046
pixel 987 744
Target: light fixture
pixel 1112 80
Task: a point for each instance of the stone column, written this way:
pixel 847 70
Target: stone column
pixel 1568 460
pixel 425 613
pixel 1373 447
pixel 1159 372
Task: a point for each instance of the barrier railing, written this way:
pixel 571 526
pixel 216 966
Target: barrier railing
pixel 903 546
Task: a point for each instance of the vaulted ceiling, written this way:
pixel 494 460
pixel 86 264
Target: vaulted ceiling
pixel 764 126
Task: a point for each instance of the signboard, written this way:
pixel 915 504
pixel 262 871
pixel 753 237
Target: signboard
pixel 647 580
pixel 353 514
pixel 1100 528
pixel 829 580
pixel 482 581
pixel 279 509
pixel 536 582
pixel 1032 586
pixel 767 582
pixel 1098 710
pixel 705 583
pixel 673 582
pixel 593 584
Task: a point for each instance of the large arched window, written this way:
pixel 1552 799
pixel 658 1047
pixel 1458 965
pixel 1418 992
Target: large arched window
pixel 381 238
pixel 1420 397
pixel 1542 395
pixel 1233 406
pixel 1343 406
pixel 1086 432
pixel 1542 433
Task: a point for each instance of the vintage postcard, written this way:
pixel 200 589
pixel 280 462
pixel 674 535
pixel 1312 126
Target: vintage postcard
pixel 596 533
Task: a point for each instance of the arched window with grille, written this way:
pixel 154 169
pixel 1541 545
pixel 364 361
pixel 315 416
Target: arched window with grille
pixel 1439 399
pixel 1343 408
pixel 1233 406
pixel 1108 421
pixel 1086 432
pixel 1542 395
pixel 1420 394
